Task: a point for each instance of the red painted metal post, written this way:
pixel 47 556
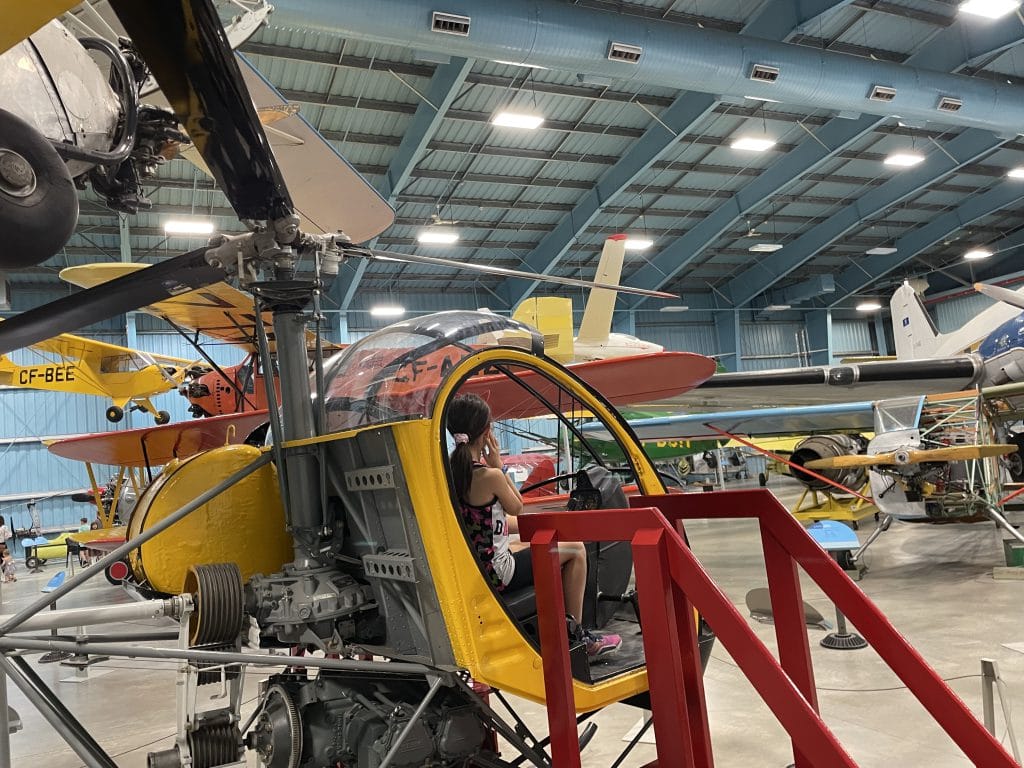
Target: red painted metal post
pixel 790 628
pixel 680 716
pixel 554 644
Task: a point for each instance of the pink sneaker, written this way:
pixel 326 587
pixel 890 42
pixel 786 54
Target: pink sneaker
pixel 600 646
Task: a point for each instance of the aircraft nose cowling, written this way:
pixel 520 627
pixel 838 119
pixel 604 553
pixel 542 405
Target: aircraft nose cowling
pixel 38 200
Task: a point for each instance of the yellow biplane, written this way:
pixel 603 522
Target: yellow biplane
pixel 128 377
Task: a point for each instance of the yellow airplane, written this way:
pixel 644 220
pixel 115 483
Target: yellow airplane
pixel 86 366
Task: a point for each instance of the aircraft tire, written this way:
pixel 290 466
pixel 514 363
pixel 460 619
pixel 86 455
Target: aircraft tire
pixel 1015 461
pixel 38 200
pixel 115 414
pixel 32 562
pixel 162 417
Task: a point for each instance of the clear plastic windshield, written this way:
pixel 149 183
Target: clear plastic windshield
pixel 394 374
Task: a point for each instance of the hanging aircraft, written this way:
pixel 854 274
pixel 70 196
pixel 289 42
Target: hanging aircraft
pixel 128 377
pixel 368 551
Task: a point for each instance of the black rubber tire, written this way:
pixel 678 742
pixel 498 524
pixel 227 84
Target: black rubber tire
pixel 162 417
pixel 762 479
pixel 1015 461
pixel 114 414
pixel 32 562
pixel 845 559
pixel 36 226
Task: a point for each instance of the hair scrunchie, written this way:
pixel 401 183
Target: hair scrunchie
pixel 460 438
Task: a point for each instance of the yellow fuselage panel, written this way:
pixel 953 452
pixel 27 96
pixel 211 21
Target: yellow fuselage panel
pixel 484 639
pixel 245 524
pixel 80 377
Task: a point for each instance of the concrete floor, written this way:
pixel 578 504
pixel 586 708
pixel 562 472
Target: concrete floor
pixel 934 582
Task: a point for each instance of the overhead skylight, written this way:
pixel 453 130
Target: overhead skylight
pixel 674 308
pixel 990 9
pixel 777 307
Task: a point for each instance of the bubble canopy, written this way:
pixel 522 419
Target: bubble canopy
pixel 394 374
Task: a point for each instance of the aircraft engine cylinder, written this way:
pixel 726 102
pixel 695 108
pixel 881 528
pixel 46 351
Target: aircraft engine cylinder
pixel 827 447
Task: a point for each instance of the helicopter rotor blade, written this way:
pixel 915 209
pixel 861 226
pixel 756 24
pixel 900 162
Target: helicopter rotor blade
pixel 440 262
pixel 185 46
pixel 124 294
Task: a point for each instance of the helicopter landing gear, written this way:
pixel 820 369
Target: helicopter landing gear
pixel 38 200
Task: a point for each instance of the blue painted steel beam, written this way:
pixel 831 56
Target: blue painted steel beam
pixel 727 332
pixel 948 50
pixel 867 270
pixel 819 335
pixel 444 86
pixel 762 275
pixel 776 21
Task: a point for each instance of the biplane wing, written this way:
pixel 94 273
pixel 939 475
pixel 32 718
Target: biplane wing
pixel 155 446
pixel 218 311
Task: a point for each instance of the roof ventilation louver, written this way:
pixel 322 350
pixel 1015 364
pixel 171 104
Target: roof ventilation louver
pixel 882 93
pixel 630 54
pixel 449 24
pixel 763 73
pixel 949 104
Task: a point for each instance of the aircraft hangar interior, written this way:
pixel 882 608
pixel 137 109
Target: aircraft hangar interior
pixel 511 382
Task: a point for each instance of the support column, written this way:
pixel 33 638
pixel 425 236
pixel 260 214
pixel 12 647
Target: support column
pixel 343 337
pixel 624 322
pixel 727 332
pixel 819 335
pixel 880 337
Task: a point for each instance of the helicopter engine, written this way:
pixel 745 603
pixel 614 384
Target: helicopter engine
pixel 826 447
pixel 356 722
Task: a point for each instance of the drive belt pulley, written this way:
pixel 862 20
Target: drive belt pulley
pixel 217 590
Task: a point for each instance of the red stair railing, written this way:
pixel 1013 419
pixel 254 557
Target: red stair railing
pixel 672 584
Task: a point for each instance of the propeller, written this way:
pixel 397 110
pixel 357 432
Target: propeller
pixel 185 46
pixel 1004 295
pixel 906 456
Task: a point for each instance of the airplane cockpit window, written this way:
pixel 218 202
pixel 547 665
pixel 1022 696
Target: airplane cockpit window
pixel 126 363
pixel 395 373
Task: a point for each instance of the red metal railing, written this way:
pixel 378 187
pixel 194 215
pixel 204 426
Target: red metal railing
pixel 672 583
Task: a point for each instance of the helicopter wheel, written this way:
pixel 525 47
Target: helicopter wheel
pixel 217 590
pixel 116 572
pixel 162 417
pixel 38 200
pixel 115 414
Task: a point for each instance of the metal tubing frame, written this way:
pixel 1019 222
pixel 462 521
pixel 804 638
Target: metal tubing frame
pixel 55 713
pixel 101 614
pixel 84 575
pixel 781 686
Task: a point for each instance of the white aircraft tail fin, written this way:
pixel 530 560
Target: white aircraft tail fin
pixel 913 330
pixel 552 316
pixel 597 315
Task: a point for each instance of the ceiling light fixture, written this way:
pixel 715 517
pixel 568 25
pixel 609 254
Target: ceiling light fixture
pixel 188 227
pixel 777 307
pixel 990 9
pixel 674 308
pixel 977 254
pixel 869 306
pixel 387 310
pixel 753 143
pixel 1016 173
pixel 881 251
pixel 765 247
pixel 638 243
pixel 904 159
pixel 519 64
pixel 437 236
pixel 507 119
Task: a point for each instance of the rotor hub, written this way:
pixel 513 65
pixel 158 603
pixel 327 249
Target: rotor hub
pixel 16 175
